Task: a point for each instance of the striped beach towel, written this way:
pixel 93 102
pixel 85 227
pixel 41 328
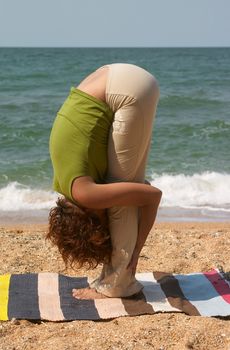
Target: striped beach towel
pixel 48 296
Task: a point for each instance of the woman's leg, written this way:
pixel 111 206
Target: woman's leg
pixel 133 94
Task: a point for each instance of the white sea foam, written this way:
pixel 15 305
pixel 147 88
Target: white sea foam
pixel 209 190
pixel 16 197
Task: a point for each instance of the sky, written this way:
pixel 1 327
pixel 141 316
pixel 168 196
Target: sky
pixel 117 23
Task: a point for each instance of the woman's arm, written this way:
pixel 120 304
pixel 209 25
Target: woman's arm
pixel 100 196
pixel 147 219
pixel 146 197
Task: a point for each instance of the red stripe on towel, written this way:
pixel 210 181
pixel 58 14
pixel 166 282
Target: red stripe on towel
pixel 219 284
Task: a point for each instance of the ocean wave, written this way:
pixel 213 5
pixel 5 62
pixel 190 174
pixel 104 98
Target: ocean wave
pixel 16 197
pixel 208 190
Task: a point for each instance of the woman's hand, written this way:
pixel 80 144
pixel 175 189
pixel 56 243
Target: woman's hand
pixel 133 262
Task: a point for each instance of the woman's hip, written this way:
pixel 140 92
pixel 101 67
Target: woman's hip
pixel 128 84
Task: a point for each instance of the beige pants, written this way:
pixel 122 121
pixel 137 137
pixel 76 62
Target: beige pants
pixel 132 93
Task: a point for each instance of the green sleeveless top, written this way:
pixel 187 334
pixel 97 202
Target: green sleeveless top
pixel 79 140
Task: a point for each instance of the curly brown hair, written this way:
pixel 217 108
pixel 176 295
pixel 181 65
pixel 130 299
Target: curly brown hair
pixel 81 237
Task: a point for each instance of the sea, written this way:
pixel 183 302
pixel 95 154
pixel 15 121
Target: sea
pixel 190 151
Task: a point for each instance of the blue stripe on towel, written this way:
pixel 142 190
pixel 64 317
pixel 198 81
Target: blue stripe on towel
pixel 196 287
pixel 202 294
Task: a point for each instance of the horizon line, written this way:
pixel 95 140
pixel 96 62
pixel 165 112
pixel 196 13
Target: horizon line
pixel 114 47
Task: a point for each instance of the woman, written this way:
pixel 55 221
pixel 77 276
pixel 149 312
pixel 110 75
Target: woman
pixel 99 146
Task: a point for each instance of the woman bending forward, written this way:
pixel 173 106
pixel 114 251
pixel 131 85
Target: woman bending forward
pixel 99 145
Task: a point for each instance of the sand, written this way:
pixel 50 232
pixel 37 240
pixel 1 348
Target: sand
pixel 171 247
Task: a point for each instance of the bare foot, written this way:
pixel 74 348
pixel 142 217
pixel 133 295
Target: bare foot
pixel 87 293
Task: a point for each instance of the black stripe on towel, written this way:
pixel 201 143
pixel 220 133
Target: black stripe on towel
pixel 137 304
pixel 171 288
pixel 23 297
pixel 74 309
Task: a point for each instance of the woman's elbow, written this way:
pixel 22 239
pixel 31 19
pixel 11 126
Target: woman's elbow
pixel 158 194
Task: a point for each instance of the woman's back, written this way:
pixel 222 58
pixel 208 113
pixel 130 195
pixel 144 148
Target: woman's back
pixel 95 83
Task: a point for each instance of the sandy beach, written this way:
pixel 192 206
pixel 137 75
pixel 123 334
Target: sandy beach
pixel 171 247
